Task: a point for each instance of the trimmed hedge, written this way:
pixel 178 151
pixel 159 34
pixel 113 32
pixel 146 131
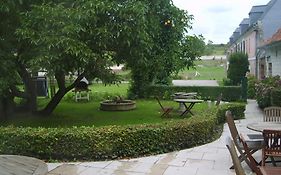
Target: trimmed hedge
pixel 90 143
pixel 237 110
pixel 230 93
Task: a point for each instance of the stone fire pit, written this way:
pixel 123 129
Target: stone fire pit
pixel 121 105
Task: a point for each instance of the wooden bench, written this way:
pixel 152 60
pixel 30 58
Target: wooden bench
pixel 272 114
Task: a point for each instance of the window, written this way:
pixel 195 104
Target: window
pixel 243 47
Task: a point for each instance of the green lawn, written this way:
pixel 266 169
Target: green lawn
pixel 114 89
pixel 208 70
pixel 70 114
pixel 219 50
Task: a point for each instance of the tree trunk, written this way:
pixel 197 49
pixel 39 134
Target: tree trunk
pixel 51 106
pixel 2 111
pixel 7 108
pixel 32 99
pixel 140 82
pixel 30 88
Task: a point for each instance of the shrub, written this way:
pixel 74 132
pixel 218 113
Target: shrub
pixel 238 66
pixel 237 110
pixel 251 92
pixel 264 88
pixel 276 97
pixel 263 95
pixel 227 82
pixel 244 86
pixel 111 142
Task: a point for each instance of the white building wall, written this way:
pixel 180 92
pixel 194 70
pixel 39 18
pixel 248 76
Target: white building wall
pixel 275 59
pixel 276 62
pixel 252 66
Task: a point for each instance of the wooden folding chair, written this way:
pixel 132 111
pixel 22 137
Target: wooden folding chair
pixel 259 170
pixel 272 145
pixel 165 109
pixel 272 114
pixel 236 162
pixel 255 141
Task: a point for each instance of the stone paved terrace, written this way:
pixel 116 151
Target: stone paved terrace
pixel 212 158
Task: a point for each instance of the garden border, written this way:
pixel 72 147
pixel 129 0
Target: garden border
pixel 112 142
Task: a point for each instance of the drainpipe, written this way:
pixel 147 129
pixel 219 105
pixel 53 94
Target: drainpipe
pixel 256 54
pixel 258 30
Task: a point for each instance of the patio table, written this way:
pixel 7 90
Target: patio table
pixel 188 108
pixel 183 95
pixel 260 126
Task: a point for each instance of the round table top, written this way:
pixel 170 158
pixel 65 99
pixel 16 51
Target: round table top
pixel 260 126
pixel 15 164
pixel 188 100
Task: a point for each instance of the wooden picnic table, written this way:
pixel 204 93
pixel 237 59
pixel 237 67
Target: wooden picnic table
pixel 178 95
pixel 191 102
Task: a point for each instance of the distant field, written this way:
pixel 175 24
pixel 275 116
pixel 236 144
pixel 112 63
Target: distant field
pixel 215 49
pixel 219 50
pixel 205 70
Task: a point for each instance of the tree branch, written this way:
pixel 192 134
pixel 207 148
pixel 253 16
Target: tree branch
pixel 16 92
pixel 60 77
pixel 78 79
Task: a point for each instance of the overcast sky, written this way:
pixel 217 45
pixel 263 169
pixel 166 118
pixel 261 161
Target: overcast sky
pixel 216 20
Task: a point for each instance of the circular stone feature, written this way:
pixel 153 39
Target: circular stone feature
pixel 124 105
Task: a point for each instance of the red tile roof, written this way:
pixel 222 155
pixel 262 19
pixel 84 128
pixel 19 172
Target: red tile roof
pixel 276 37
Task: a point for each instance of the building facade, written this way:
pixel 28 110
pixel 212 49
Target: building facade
pixel 263 21
pixel 272 55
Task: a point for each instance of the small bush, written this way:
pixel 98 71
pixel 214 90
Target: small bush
pixel 276 97
pixel 251 92
pixel 227 82
pixel 237 110
pixel 238 66
pixel 264 89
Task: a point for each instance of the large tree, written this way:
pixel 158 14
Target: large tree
pixel 86 37
pixel 170 49
pixel 14 57
pixel 83 38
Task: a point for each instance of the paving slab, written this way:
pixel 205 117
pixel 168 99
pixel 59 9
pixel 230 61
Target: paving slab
pixel 21 165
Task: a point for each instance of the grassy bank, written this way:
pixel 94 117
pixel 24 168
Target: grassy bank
pixel 205 70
